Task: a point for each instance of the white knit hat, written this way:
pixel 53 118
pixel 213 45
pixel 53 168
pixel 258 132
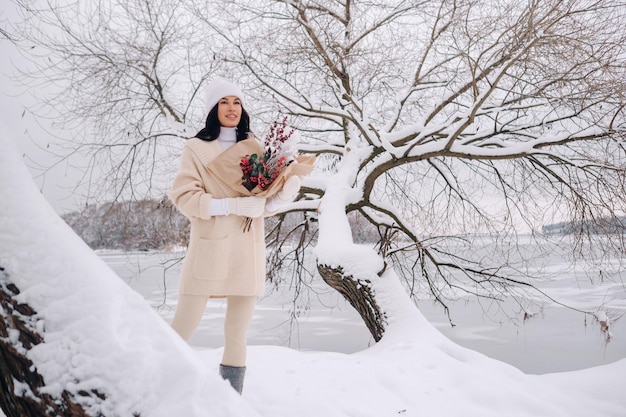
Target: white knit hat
pixel 220 88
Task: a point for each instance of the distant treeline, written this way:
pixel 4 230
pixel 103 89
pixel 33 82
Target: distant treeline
pixel 615 225
pixel 158 225
pixel 131 225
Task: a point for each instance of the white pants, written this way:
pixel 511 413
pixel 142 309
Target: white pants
pixel 239 311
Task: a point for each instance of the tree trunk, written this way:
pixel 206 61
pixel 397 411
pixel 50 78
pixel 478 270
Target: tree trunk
pixel 20 383
pixel 359 294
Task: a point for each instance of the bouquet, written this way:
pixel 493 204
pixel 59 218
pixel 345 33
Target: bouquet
pixel 254 168
pixel 261 170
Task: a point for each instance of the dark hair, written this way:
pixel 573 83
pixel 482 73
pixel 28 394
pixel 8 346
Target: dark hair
pixel 212 126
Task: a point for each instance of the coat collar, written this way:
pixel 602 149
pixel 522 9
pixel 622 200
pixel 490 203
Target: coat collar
pixel 204 150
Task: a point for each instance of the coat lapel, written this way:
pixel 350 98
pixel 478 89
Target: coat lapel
pixel 205 151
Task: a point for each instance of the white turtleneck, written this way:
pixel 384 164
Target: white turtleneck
pixel 227 137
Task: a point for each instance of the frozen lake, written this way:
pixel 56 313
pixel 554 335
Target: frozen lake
pixel 554 339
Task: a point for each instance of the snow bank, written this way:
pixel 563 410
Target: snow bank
pixel 99 334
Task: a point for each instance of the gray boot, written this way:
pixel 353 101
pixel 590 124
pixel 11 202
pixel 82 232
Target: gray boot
pixel 234 375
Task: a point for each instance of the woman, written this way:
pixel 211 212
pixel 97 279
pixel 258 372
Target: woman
pixel 223 259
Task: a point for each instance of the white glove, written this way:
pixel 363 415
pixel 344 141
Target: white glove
pixel 290 189
pixel 252 207
pixel 218 207
pixel 239 206
pixel 287 194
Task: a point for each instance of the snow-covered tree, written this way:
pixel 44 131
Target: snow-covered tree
pixel 430 119
pixel 438 118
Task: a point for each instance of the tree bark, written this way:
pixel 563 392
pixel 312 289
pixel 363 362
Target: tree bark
pixel 359 293
pixel 20 383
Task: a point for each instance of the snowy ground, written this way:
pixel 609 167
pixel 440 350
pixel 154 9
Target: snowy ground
pixel 100 332
pixel 330 371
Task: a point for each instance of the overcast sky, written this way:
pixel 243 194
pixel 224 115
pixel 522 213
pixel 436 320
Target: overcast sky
pixel 56 184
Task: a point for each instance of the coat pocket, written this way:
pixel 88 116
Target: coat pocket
pixel 211 259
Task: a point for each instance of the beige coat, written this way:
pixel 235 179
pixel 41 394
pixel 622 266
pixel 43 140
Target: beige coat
pixel 222 258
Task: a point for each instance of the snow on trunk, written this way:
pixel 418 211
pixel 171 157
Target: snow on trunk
pixel 357 270
pixel 347 267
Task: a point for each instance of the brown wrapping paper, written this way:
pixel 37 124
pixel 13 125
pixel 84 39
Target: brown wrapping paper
pixel 226 167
